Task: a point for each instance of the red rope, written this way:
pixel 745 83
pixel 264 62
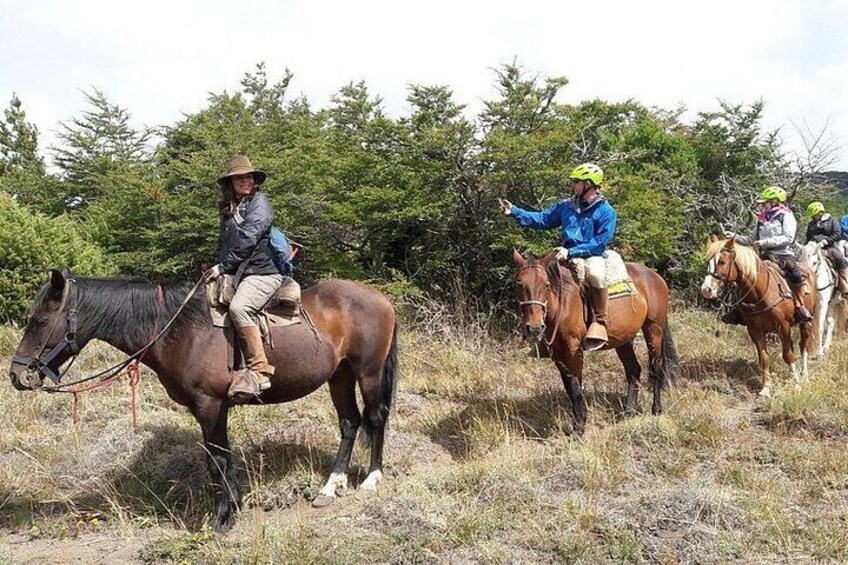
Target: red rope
pixel 134 379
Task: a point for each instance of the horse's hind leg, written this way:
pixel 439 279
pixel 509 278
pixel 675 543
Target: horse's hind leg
pixel 375 423
pixel 633 372
pixel 653 333
pixel 343 392
pixel 759 340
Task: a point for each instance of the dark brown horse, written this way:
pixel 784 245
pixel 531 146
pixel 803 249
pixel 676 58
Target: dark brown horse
pixel 358 345
pixel 765 307
pixel 552 310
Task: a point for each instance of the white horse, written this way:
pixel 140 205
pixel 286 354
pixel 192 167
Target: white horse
pixel 829 296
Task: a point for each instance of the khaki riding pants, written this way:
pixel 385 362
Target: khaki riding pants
pixel 252 294
pixel 596 271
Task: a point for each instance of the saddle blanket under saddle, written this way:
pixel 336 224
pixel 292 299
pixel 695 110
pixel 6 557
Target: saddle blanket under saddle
pixel 618 280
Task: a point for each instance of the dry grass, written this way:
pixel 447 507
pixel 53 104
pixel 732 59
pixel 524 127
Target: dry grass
pixel 481 463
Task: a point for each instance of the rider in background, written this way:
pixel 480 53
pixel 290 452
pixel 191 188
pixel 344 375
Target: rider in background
pixel 825 229
pixel 587 222
pixel 774 237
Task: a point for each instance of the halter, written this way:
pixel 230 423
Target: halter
pixel 68 343
pixel 544 304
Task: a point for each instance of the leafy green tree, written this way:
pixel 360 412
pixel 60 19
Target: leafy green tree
pixel 22 170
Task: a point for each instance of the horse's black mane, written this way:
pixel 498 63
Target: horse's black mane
pixel 128 310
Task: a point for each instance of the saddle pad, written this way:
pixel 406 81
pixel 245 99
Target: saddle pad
pixel 615 271
pixel 620 289
pixel 221 319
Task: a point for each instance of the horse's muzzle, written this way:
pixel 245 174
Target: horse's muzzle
pixel 534 334
pixel 25 379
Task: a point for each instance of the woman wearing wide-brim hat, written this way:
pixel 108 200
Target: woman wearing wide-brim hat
pixel 246 220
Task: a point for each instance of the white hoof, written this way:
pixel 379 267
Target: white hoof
pixel 765 392
pixel 370 482
pixel 335 482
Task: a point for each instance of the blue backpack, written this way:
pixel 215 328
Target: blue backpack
pixel 844 223
pixel 281 252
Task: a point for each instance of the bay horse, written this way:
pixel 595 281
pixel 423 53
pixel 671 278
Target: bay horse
pixel 829 297
pixel 765 307
pixel 552 311
pixel 357 346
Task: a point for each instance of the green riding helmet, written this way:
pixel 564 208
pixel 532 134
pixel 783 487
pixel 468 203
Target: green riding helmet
pixel 814 208
pixel 772 193
pixel 588 171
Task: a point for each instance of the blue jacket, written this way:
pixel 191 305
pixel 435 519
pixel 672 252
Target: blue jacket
pixel 586 232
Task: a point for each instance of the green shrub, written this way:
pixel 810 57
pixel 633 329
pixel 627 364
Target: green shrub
pixel 31 245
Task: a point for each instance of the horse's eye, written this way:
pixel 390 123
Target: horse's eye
pixel 40 322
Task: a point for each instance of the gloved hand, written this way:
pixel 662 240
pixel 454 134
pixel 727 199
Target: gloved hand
pixel 561 254
pixel 729 234
pixel 212 273
pixel 506 206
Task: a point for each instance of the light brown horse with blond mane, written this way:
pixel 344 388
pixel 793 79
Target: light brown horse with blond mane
pixel 553 313
pixel 765 302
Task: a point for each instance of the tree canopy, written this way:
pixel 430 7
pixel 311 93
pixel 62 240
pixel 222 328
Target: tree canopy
pixel 408 202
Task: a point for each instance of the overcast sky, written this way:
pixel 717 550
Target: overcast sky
pixel 161 59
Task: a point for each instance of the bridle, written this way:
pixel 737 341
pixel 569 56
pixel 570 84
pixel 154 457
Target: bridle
pixel 68 342
pixel 544 305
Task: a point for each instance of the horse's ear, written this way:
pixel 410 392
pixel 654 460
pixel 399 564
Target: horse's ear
pixel 518 258
pixel 713 238
pixel 546 260
pixel 58 279
pixel 730 242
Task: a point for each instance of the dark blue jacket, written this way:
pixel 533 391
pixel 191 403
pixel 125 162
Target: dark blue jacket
pixel 244 237
pixel 586 232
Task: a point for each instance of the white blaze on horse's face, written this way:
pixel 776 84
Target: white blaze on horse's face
pixel 711 285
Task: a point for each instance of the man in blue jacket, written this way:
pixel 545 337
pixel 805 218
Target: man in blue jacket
pixel 587 222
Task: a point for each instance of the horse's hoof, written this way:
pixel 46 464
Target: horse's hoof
pixel 364 493
pixel 322 501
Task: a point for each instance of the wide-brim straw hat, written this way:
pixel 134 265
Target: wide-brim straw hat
pixel 240 165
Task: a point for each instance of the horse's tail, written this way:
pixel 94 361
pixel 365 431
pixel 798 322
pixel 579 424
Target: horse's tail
pixel 389 387
pixel 669 361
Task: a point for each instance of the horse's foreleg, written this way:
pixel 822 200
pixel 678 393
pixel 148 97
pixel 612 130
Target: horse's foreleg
pixel 571 371
pixel 826 338
pixel 821 322
pixel 759 340
pixel 633 372
pixel 343 393
pixel 211 413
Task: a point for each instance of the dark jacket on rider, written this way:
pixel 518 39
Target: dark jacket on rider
pixel 827 228
pixel 245 232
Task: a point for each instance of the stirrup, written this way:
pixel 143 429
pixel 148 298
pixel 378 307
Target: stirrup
pixel 247 385
pixel 596 337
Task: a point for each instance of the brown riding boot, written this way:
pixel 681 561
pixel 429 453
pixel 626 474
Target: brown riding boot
pixel 843 282
pixel 596 336
pixel 252 380
pixel 802 315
